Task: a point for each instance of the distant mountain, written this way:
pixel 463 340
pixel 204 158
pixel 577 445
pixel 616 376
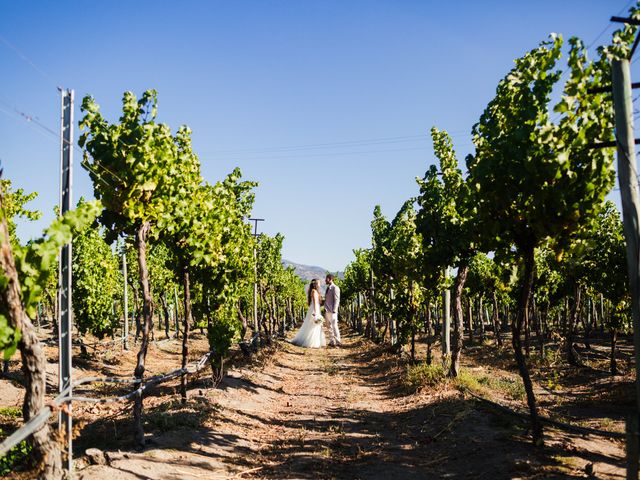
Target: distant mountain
pixel 309 272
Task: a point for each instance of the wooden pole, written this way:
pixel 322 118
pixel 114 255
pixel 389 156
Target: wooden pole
pixel 372 331
pixel 628 182
pixel 65 322
pixel 255 273
pixel 392 322
pixel 175 300
pixel 125 330
pixel 446 321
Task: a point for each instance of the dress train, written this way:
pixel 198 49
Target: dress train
pixel 311 334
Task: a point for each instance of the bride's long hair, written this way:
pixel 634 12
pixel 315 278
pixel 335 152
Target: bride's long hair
pixel 314 285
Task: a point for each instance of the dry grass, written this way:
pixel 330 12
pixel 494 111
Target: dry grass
pixel 422 376
pixel 490 384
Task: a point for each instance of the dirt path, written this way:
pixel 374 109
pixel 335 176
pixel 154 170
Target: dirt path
pixel 338 413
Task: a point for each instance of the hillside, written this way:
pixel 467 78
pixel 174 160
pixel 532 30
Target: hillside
pixel 308 272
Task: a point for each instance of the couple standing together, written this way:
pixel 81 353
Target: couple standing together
pixel 311 334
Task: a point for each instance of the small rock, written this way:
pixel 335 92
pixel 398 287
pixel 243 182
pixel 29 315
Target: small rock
pixel 112 456
pixel 589 470
pixel 95 456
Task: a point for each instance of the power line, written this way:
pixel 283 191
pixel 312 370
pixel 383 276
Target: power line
pixel 330 145
pixel 331 154
pixel 609 25
pixel 353 143
pixel 255 151
pixel 259 150
pixel 32 120
pixel 27 60
pixel 16 116
pixel 592 43
pixel 52 135
pixel 604 30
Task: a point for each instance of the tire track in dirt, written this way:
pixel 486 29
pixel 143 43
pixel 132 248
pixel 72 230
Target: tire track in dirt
pixel 325 413
pixel 338 413
pixel 307 413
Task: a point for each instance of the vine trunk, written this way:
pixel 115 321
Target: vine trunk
pixel 517 324
pixel 147 311
pixel 45 449
pixel 458 324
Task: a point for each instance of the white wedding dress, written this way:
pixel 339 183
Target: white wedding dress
pixel 311 334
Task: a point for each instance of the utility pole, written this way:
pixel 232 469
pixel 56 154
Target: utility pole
pixel 65 322
pixel 125 332
pixel 628 182
pixel 255 273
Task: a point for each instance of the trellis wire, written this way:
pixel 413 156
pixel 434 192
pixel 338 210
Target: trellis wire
pixel 43 415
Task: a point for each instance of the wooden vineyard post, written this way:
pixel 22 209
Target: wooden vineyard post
pixel 175 317
pixel 65 321
pixel 255 221
pixel 392 322
pixel 628 182
pixel 125 330
pixel 373 331
pixel 446 321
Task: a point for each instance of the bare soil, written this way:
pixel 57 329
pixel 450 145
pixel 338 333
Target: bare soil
pixel 336 413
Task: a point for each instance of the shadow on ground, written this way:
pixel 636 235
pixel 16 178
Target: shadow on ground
pixel 395 436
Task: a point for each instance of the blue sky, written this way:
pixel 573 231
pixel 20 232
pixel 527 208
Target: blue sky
pixel 327 104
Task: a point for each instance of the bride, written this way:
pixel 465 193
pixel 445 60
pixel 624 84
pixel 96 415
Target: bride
pixel 311 334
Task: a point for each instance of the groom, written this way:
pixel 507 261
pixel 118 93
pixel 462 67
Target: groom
pixel 331 304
